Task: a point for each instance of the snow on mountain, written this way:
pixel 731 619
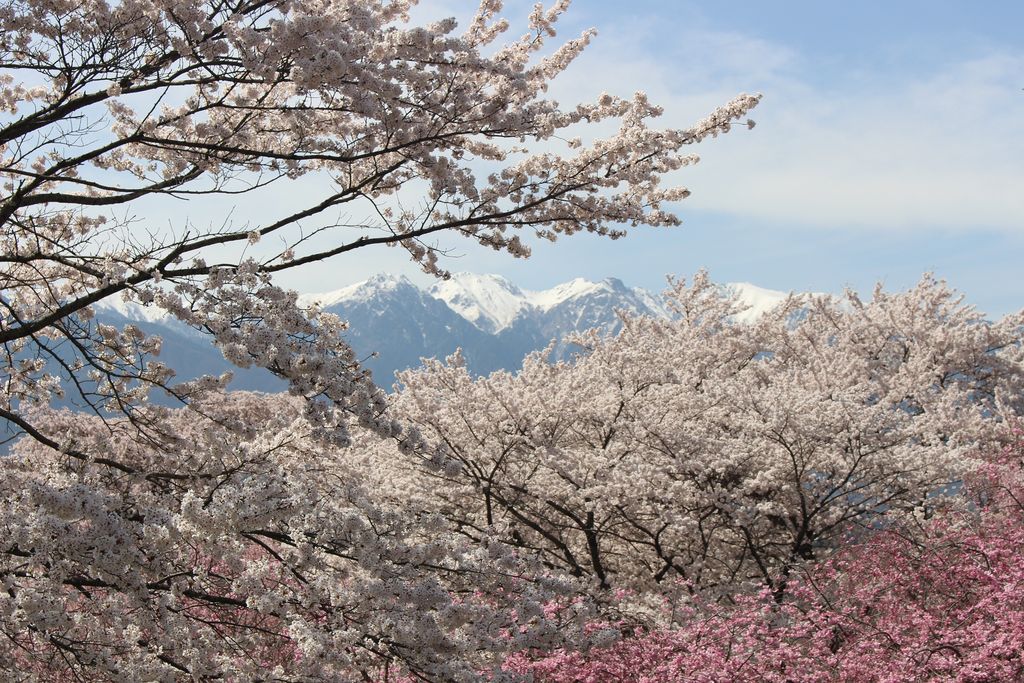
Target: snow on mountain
pixel 394 323
pixel 132 310
pixel 490 302
pixel 573 289
pixel 654 302
pixel 575 306
pixel 493 304
pixel 758 299
pixel 360 291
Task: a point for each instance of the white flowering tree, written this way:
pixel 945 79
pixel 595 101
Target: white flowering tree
pixel 109 104
pixel 147 544
pixel 716 454
pixel 247 550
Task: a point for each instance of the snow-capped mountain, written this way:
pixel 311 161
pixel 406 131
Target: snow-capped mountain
pixel 489 302
pixel 367 290
pixel 495 322
pixel 493 304
pixel 580 304
pixel 758 300
pixel 393 323
pixel 131 310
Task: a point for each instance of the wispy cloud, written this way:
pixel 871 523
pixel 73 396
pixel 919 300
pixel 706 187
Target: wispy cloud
pixel 899 149
pixel 875 157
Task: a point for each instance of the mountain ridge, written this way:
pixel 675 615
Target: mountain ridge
pixel 393 323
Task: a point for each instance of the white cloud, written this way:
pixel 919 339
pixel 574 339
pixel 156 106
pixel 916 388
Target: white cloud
pixel 846 150
pixel 939 153
pixel 870 151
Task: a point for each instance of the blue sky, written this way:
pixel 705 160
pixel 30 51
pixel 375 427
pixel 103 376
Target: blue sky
pixel 890 142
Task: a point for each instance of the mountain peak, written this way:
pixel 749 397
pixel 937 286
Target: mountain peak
pixel 758 299
pixel 615 284
pixel 133 310
pixel 492 320
pixel 549 298
pixel 489 302
pixel 484 279
pixel 382 282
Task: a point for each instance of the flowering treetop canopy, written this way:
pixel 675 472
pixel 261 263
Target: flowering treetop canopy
pixel 230 538
pixel 109 104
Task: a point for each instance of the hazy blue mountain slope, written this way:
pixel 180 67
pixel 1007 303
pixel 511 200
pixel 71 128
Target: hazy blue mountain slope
pixel 393 324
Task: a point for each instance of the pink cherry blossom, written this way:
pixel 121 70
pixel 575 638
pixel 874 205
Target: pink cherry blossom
pixel 938 601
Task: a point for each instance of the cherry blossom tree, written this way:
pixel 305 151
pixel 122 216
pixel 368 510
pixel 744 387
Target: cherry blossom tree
pixel 718 454
pixel 249 551
pixel 939 600
pixel 147 544
pixel 111 104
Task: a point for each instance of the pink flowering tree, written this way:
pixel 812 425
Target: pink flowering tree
pixel 147 544
pixel 939 600
pixel 720 454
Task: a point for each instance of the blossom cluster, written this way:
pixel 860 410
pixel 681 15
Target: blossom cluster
pixel 112 103
pixel 226 548
pixel 685 499
pixel 938 601
pixel 720 454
